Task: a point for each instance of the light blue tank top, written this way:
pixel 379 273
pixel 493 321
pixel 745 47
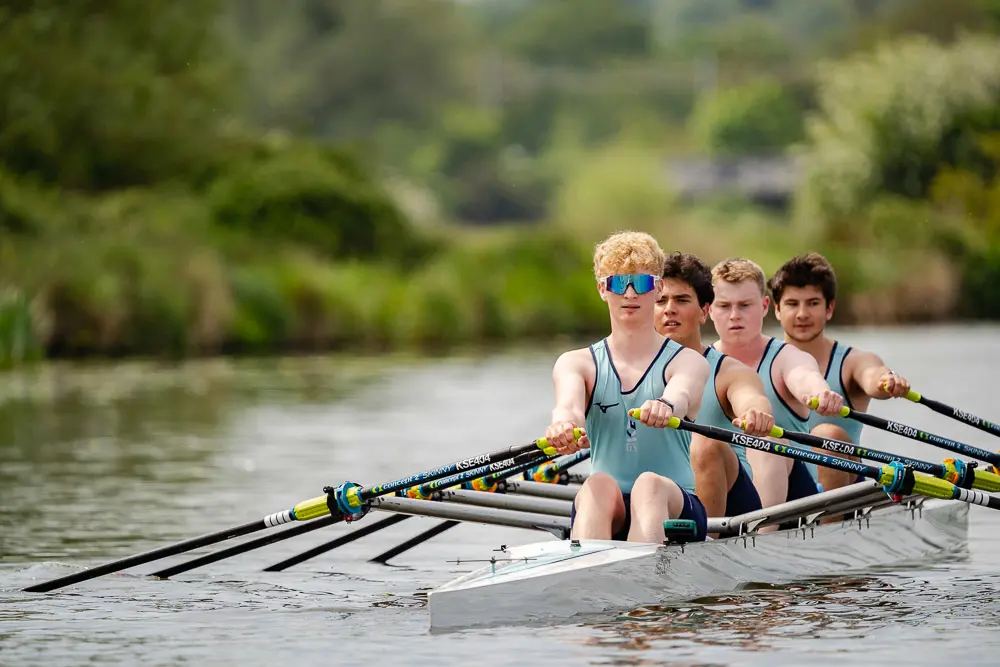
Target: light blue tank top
pixel 834 378
pixel 784 416
pixel 711 412
pixel 623 447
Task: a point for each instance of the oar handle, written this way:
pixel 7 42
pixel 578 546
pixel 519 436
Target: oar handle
pixel 543 443
pixel 814 403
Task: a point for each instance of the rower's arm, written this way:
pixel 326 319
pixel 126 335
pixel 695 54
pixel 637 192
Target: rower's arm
pixel 686 375
pixel 744 389
pixel 868 372
pixel 569 375
pixel 801 372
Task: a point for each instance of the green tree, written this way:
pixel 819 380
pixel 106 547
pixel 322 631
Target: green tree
pixel 578 33
pixel 99 95
pixel 757 118
pixel 889 120
pixel 344 69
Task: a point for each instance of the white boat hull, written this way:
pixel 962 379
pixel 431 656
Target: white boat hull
pixel 555 580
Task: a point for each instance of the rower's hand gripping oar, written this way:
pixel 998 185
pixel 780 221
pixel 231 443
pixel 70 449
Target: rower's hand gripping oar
pixel 350 501
pixel 920 436
pixel 897 480
pixel 959 415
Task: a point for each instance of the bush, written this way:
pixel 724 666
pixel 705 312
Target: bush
pixel 617 186
pixel 306 197
pixel 19 340
pixel 758 118
pixel 889 119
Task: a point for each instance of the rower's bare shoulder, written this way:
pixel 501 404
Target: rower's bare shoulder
pixel 733 371
pixel 576 362
pixel 857 359
pixel 792 357
pixel 692 362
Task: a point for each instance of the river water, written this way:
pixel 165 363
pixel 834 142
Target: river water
pixel 101 461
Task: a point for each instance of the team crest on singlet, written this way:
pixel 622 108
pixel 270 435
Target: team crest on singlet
pixel 630 430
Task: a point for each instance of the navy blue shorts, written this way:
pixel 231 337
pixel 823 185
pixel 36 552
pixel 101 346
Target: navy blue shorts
pixel 693 511
pixel 743 497
pixel 800 482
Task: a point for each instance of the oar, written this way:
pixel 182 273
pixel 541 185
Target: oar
pixel 916 434
pixel 897 479
pixel 486 484
pixel 955 413
pixel 556 472
pixel 272 538
pixel 550 473
pixel 338 542
pixel 955 471
pixel 414 541
pixel 347 500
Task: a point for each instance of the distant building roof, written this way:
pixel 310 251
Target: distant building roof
pixel 758 177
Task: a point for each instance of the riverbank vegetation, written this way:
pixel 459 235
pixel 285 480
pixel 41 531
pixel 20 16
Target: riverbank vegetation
pixel 201 177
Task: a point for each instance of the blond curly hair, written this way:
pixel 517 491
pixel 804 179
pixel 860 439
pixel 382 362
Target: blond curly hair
pixel 628 252
pixel 737 270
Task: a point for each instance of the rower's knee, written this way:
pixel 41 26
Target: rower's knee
pixel 712 457
pixel 600 490
pixel 653 489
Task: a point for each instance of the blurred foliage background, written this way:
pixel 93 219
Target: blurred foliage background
pixel 206 176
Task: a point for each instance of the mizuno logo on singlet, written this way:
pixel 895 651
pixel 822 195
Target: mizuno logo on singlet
pixel 604 408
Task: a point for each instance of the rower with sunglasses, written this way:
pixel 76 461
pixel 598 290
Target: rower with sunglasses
pixel 641 470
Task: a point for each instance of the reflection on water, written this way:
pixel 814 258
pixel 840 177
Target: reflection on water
pixel 841 607
pixel 100 461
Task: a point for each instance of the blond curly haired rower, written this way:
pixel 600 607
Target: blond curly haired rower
pixel 641 470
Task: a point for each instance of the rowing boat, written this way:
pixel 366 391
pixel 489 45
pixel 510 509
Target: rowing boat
pixel 559 580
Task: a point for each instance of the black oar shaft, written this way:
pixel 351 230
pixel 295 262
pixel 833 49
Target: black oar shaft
pixel 307 510
pixel 148 556
pixel 367 529
pixel 249 545
pixel 414 541
pixel 849 449
pixel 528 459
pixel 498 460
pixel 960 415
pixel 789 451
pixel 922 436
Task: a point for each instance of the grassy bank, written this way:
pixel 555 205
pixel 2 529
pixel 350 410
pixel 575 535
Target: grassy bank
pixel 162 278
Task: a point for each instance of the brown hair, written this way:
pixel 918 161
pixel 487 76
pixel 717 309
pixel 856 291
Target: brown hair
pixel 737 270
pixel 628 252
pixel 811 269
pixel 688 268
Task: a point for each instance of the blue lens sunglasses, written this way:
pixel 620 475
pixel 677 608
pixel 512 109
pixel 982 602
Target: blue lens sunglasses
pixel 640 282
